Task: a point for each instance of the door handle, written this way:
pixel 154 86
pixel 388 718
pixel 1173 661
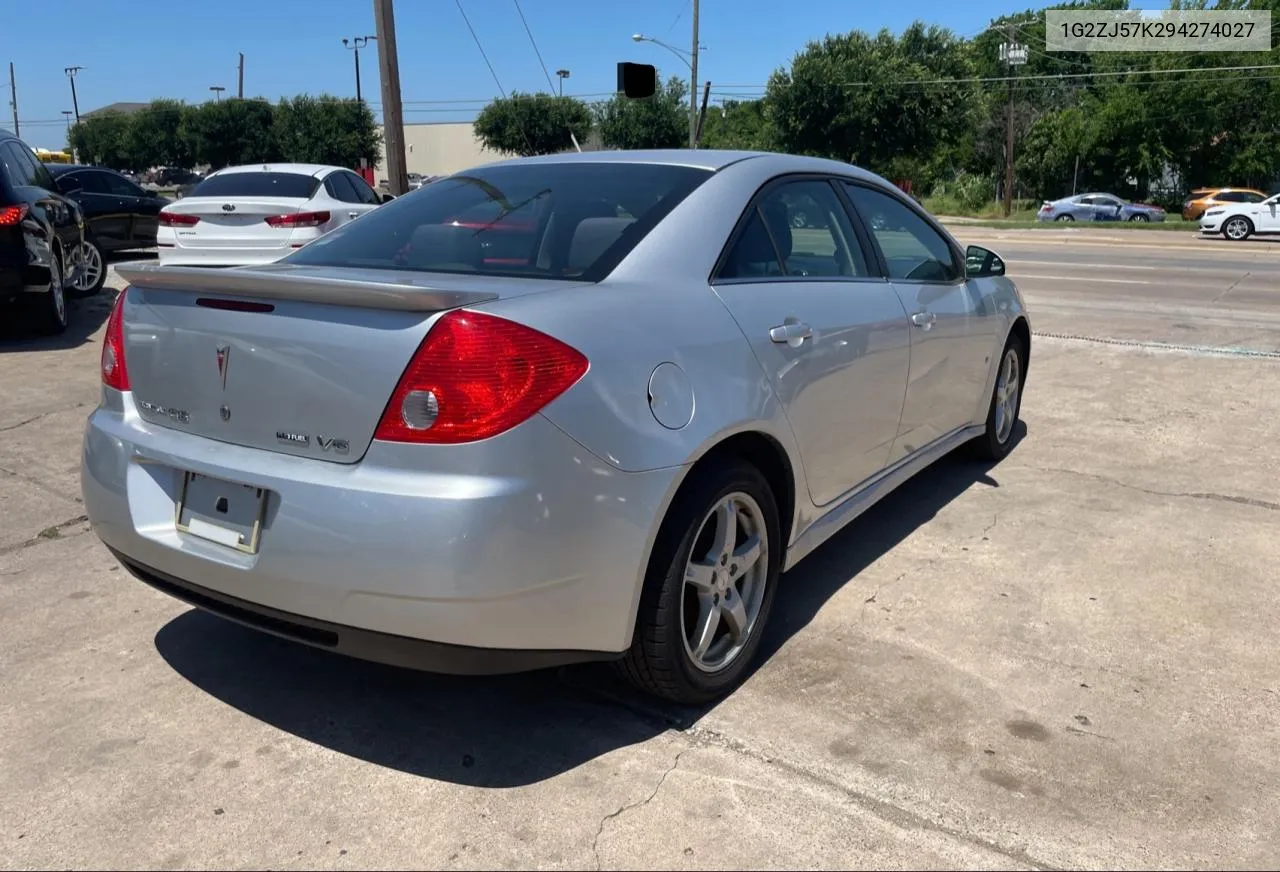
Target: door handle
pixel 353 214
pixel 924 319
pixel 793 333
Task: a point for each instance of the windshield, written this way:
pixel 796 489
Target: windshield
pixel 535 220
pixel 257 184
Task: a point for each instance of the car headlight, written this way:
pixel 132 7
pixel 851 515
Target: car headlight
pixel 1213 212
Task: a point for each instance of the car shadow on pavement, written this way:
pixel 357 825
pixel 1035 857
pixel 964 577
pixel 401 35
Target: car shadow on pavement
pixel 85 316
pixel 508 731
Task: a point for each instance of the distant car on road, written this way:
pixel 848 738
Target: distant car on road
pixel 259 213
pixel 40 237
pixel 1204 199
pixel 605 444
pixel 119 216
pixel 1098 207
pixel 1239 221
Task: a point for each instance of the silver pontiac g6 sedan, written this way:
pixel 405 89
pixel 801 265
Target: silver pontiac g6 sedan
pixel 549 410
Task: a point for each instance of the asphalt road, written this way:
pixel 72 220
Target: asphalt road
pixel 1153 286
pixel 1060 661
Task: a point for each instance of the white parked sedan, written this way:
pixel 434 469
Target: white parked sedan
pixel 1239 221
pixel 257 214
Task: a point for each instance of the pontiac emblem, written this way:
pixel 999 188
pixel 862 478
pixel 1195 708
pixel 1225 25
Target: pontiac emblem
pixel 224 360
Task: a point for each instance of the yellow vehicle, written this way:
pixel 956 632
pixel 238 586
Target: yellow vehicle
pixel 45 156
pixel 1202 198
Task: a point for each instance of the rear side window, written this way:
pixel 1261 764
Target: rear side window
pixel 89 182
pixel 536 220
pixel 257 185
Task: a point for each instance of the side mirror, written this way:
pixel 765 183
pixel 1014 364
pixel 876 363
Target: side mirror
pixel 387 198
pixel 982 262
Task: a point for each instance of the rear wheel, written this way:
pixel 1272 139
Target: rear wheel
pixel 1237 229
pixel 50 308
pixel 93 270
pixel 1065 218
pixel 1139 217
pixel 710 587
pixel 1006 403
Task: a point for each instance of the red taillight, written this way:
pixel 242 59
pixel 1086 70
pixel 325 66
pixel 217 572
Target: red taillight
pixel 12 215
pixel 298 219
pixel 115 374
pixel 476 376
pixel 177 219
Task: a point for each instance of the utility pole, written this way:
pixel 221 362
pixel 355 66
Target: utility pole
pixel 356 43
pixel 71 74
pixel 693 83
pixel 392 113
pixel 13 99
pixel 240 83
pixel 1014 56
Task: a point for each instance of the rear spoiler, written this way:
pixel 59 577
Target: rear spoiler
pixel 363 289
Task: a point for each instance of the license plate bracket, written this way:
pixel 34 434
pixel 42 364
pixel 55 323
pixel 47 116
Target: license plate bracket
pixel 224 512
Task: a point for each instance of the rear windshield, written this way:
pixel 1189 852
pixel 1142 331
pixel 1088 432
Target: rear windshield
pixel 536 220
pixel 257 185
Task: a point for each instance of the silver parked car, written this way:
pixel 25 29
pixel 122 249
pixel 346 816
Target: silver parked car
pixel 558 409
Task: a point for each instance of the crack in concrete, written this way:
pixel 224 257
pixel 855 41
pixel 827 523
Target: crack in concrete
pixel 1231 287
pixel 55 532
pixel 1191 495
pixel 31 480
pixel 595 843
pixel 35 418
pixel 705 736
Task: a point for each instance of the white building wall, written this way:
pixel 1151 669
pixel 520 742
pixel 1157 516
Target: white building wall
pixel 438 149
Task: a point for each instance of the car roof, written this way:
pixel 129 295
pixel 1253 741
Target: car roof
pixel 708 159
pixel 57 169
pixel 303 169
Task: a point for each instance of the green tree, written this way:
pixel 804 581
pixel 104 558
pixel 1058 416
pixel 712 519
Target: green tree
pixel 155 136
pixel 870 100
pixel 230 132
pixel 660 121
pixel 326 130
pixel 738 124
pixel 103 138
pixel 529 124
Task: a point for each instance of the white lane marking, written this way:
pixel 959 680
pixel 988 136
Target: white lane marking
pixel 1083 279
pixel 1018 260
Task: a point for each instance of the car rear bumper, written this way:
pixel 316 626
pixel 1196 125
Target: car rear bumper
pixel 539 559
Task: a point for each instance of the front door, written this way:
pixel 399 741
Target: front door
pixel 953 334
pixel 830 333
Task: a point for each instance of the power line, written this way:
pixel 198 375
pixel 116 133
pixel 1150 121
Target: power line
pixel 482 51
pixel 534 43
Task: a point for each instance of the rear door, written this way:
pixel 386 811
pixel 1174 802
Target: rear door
pixel 953 325
pixel 829 331
pixel 341 186
pixel 108 221
pixel 141 208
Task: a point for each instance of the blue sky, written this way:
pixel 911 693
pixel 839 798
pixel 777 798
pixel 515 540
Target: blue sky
pixel 137 50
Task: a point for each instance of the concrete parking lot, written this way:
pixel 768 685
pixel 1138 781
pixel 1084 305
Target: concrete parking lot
pixel 1065 660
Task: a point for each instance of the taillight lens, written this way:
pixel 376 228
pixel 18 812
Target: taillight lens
pixel 177 219
pixel 298 219
pixel 115 374
pixel 475 376
pixel 12 215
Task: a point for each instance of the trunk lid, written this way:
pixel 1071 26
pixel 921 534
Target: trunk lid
pixel 234 222
pixel 303 362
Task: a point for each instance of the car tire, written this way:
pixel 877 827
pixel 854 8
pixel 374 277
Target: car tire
pixel 50 308
pixel 689 578
pixel 1237 228
pixel 1003 413
pixel 1141 219
pixel 1065 218
pixel 95 265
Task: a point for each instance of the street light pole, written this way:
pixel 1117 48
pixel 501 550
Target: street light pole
pixel 563 74
pixel 693 83
pixel 217 91
pixel 71 74
pixel 355 44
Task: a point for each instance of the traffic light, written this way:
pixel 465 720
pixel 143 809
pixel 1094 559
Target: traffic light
pixel 637 81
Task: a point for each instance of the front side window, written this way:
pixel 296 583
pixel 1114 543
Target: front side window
pixel 120 186
pixel 89 182
pixel 18 170
pixel 912 249
pixel 536 220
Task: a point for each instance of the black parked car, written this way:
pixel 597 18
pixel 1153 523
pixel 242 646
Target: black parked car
pixel 119 216
pixel 40 237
